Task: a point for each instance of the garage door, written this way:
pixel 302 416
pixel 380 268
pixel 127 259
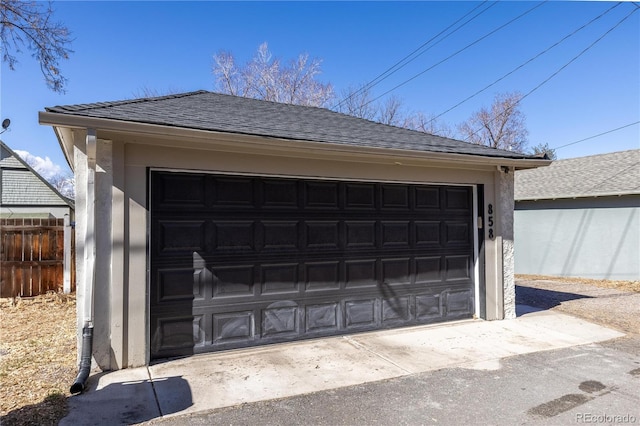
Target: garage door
pixel 238 261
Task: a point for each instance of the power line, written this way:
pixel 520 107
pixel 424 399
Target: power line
pixel 599 134
pixel 458 52
pixel 405 61
pixel 508 110
pixel 526 63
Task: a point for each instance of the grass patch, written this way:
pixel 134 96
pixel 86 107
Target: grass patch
pixel 37 358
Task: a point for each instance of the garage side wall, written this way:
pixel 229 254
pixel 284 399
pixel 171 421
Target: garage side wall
pixel 505 197
pixel 597 238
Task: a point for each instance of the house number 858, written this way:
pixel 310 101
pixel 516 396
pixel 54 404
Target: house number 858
pixel 490 221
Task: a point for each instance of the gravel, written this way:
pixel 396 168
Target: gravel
pixel 600 302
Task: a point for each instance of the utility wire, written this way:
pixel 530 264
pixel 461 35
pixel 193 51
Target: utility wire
pixel 508 110
pixel 526 63
pixel 405 61
pixel 599 134
pixel 458 52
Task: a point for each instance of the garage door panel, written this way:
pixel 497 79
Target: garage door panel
pixel 181 191
pixel 360 196
pixel 457 199
pixel 361 273
pixel 459 302
pixel 233 281
pixel 427 234
pixel 361 314
pixel 394 197
pixel 457 268
pixel 322 317
pixel 396 272
pixel 396 310
pixel 322 235
pixel 427 198
pixel 429 270
pixel 279 279
pixel 175 334
pixel 181 236
pixel 234 235
pixel 321 195
pixel 173 284
pixel 265 260
pixel 321 276
pixel 280 235
pixel 188 281
pixel 230 192
pixel 233 327
pixel 280 194
pixel 360 234
pixel 429 306
pixel 457 233
pixel 395 234
pixel 281 319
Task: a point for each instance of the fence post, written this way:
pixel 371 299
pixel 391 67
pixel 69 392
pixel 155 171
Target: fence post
pixel 67 255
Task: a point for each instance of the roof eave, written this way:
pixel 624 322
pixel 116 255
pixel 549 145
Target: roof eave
pixel 71 121
pixel 575 196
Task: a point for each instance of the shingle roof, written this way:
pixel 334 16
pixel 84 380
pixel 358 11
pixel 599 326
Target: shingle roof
pixel 209 111
pixel 20 185
pixel 617 173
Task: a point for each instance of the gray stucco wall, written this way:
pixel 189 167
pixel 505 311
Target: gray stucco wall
pixel 595 238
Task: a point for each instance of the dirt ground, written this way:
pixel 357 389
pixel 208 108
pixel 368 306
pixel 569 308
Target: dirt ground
pixel 613 304
pixel 38 341
pixel 37 358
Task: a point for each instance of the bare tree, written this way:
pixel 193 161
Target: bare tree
pixel 502 126
pixel 428 124
pixel 265 78
pixel 390 112
pixel 544 149
pixel 65 183
pixel 150 92
pixel 61 180
pixel 30 24
pixel 357 103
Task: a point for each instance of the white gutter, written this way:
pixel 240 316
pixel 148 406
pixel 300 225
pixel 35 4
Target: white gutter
pixel 234 141
pixel 89 238
pixel 89 267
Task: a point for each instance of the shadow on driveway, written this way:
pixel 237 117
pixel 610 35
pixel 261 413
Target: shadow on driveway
pixel 124 402
pixel 531 299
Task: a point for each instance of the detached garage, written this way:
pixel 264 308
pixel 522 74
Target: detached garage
pixel 220 222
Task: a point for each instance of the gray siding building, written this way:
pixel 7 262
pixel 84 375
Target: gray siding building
pixel 24 194
pixel 580 217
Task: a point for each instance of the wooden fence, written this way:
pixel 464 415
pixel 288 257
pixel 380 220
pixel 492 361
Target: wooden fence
pixel 32 257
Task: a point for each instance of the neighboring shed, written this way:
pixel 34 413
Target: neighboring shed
pixel 224 222
pixel 580 218
pixel 36 242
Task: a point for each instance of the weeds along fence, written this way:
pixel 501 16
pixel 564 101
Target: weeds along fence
pixel 32 256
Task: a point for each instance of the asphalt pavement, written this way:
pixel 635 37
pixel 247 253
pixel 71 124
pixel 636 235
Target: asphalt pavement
pixel 585 384
pixel 543 367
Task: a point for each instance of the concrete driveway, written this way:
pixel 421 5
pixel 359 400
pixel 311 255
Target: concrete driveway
pixel 329 367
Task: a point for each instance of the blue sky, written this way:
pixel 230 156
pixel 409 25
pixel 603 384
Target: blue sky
pixel 122 47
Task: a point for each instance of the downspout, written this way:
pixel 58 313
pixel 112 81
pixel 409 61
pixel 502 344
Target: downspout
pixel 89 265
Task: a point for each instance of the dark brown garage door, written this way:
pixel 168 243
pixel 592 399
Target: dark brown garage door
pixel 239 261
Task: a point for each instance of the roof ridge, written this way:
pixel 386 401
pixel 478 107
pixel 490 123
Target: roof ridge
pixel 108 104
pixel 599 155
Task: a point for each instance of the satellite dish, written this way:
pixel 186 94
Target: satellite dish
pixel 5 123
